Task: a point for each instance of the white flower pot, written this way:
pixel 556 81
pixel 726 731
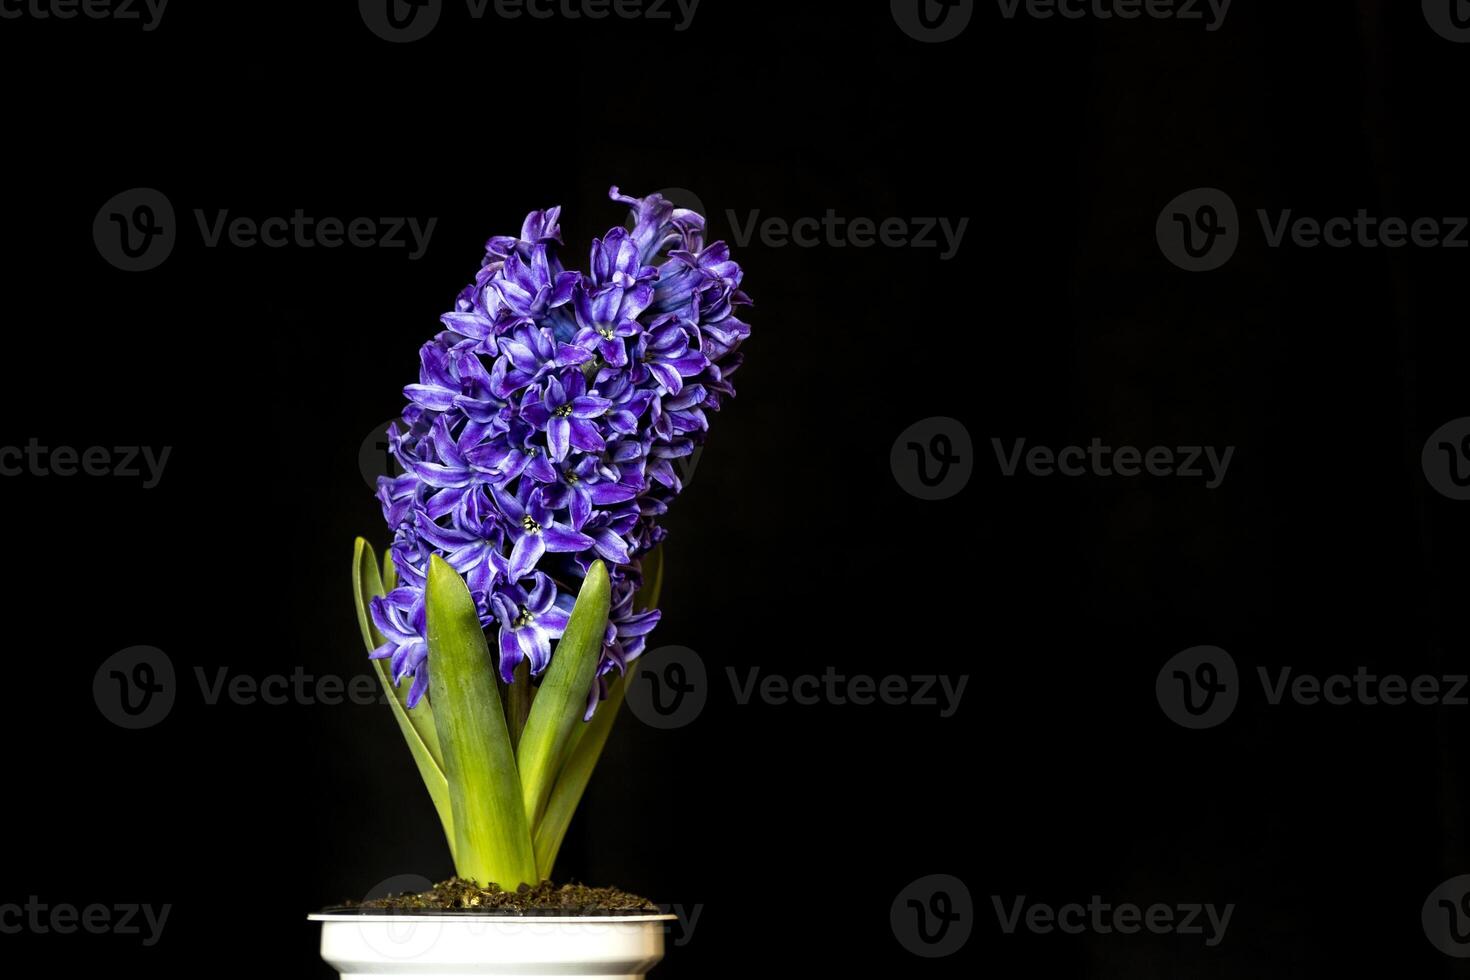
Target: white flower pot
pixel 438 946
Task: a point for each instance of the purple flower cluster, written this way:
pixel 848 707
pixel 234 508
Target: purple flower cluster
pixel 544 430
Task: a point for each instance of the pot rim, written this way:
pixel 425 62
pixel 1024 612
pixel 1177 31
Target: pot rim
pixel 385 915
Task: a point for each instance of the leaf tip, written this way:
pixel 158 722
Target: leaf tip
pixel 597 573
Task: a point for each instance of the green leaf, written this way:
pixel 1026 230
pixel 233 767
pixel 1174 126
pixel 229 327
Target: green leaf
pixel 492 839
pixel 561 700
pixel 417 723
pixel 366 585
pixel 588 740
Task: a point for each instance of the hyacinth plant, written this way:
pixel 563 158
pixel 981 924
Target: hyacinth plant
pixel 539 449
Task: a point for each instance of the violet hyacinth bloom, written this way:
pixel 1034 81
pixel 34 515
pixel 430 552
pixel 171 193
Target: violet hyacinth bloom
pixel 535 530
pixel 565 412
pixel 400 617
pixel 541 433
pixel 529 620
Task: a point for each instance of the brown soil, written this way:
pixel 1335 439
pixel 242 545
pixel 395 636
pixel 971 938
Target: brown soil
pixel 456 895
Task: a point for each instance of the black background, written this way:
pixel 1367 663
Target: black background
pixel 791 827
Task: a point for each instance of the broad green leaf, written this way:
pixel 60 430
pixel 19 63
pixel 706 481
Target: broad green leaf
pixel 417 723
pixel 561 700
pixel 572 781
pixel 492 840
pixel 585 747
